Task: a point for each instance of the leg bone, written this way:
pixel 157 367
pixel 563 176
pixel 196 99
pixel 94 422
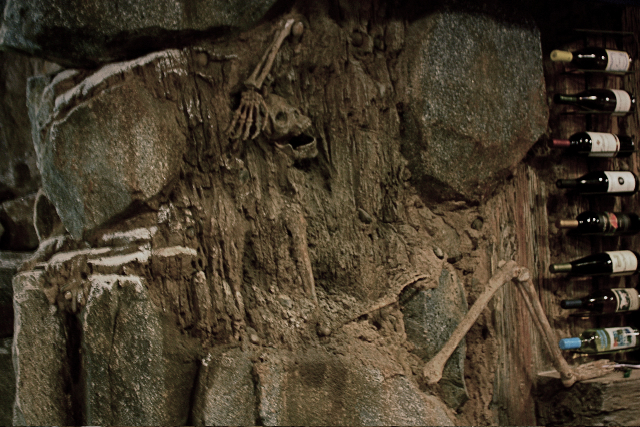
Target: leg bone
pixel 433 369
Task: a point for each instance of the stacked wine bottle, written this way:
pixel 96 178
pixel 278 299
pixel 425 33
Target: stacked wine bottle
pixel 616 102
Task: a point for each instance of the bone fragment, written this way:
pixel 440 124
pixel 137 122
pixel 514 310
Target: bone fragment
pixel 263 68
pixel 433 369
pixel 568 375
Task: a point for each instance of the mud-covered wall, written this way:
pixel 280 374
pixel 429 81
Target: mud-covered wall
pixel 216 251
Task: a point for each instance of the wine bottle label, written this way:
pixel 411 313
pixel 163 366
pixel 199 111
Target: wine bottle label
pixel 626 299
pixel 609 222
pixel 618 61
pixel 620 182
pixel 623 262
pixel 623 101
pixel 603 144
pixel 613 339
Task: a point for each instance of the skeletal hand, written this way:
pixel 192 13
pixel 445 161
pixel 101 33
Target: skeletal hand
pixel 252 110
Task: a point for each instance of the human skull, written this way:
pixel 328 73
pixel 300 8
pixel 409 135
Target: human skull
pixel 290 129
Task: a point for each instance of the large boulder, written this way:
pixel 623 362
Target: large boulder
pixel 475 101
pixel 95 32
pixel 103 146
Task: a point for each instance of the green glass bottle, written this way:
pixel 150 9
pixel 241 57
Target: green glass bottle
pixel 603 340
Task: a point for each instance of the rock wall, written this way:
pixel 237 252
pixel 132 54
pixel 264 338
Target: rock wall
pixel 302 274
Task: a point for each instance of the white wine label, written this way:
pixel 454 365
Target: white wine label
pixel 623 262
pixel 623 101
pixel 626 299
pixel 603 144
pixel 615 339
pixel 618 61
pixel 620 182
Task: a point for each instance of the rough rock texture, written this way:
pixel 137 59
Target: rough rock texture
pixel 286 252
pixel 321 389
pixel 19 174
pixel 430 316
pixel 100 150
pixel 16 216
pixel 99 31
pixel 471 116
pixel 9 263
pixel 226 390
pixel 134 371
pixel 40 356
pixel 7 383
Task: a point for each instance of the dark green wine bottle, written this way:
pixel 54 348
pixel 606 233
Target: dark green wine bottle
pixel 615 101
pixel 606 301
pixel 602 223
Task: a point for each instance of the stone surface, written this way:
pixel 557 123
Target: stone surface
pixel 225 394
pixel 18 171
pixel 46 220
pixel 41 361
pixel 317 388
pixel 471 116
pixel 134 373
pixel 7 383
pixel 430 317
pixel 99 151
pixel 16 216
pixel 99 31
pixel 9 263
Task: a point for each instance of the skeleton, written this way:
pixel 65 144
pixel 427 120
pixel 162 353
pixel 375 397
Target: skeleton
pixel 253 112
pixel 507 272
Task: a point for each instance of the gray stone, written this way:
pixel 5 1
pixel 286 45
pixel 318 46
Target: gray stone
pixel 319 388
pixel 136 373
pixel 9 263
pixel 7 383
pixel 17 218
pixel 225 394
pixel 475 101
pixel 100 151
pixel 98 31
pixel 430 317
pixel 18 171
pixel 40 357
pixel 46 220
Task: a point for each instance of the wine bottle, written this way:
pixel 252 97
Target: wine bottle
pixel 595 58
pixel 602 223
pixel 603 340
pixel 615 183
pixel 606 301
pixel 612 263
pixel 597 144
pixel 615 101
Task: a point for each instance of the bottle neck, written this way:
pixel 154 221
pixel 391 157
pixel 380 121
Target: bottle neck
pixel 560 268
pixel 564 99
pixel 567 223
pixel 567 183
pixel 571 303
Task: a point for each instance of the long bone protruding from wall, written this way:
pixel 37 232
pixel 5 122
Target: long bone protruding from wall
pixel 510 271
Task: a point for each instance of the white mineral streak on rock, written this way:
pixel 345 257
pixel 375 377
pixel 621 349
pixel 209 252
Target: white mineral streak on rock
pixel 67 256
pixel 129 236
pixel 106 282
pixel 173 251
pixel 172 58
pixel 142 257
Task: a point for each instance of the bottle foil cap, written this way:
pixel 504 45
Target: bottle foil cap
pixel 561 55
pixel 560 143
pixel 570 343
